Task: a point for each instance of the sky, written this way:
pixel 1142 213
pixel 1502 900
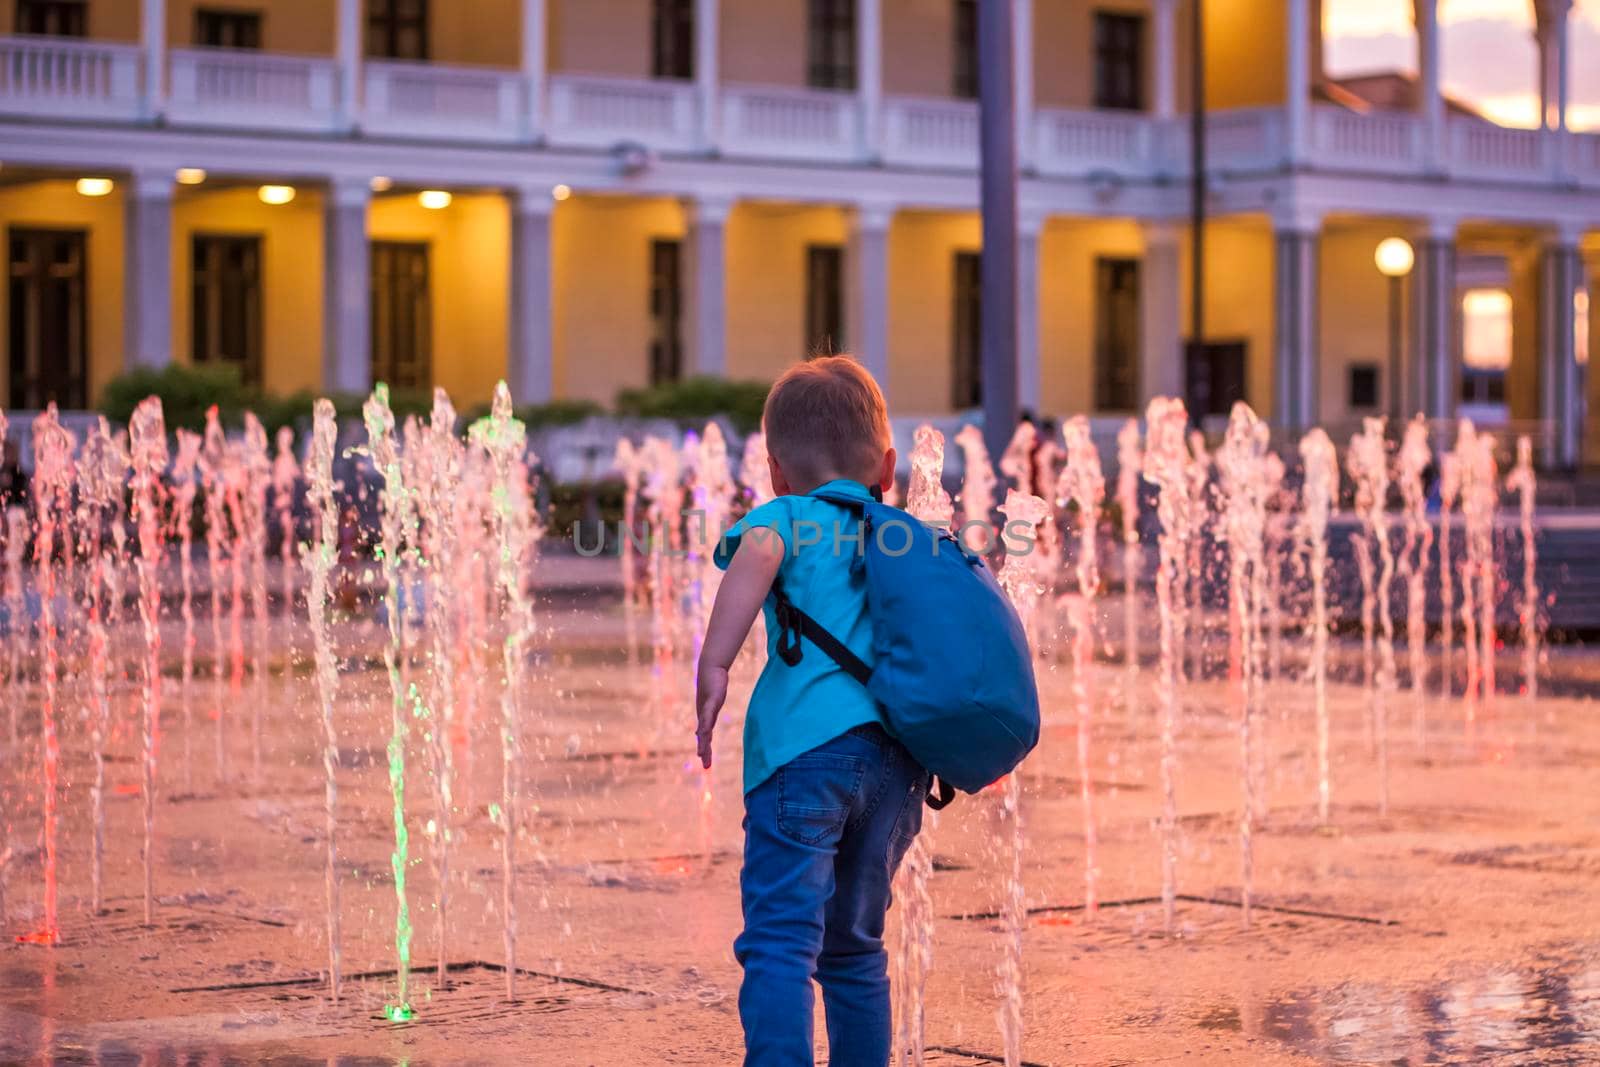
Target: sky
pixel 1490 61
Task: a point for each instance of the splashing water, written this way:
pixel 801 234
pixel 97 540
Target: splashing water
pixel 1129 460
pixel 977 489
pixel 1412 460
pixel 1368 462
pixel 182 519
pixel 319 558
pixel 102 476
pixel 52 494
pixel 396 520
pixel 1525 484
pixel 147 435
pixel 1449 491
pixel 1166 466
pixel 1241 464
pixel 1479 495
pixel 255 475
pixel 754 472
pixel 1020 579
pixel 1082 484
pixel 1321 490
pixel 212 457
pixel 517 534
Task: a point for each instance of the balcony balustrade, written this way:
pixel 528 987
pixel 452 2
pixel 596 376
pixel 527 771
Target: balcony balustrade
pixel 429 100
pixel 930 132
pixel 781 123
pixel 595 112
pixel 254 90
pixel 59 77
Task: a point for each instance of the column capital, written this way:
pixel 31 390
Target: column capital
pixel 1548 14
pixel 1031 219
pixel 531 199
pixel 150 184
pixel 709 210
pixel 873 216
pixel 1296 219
pixel 1161 233
pixel 1563 235
pixel 1440 229
pixel 346 191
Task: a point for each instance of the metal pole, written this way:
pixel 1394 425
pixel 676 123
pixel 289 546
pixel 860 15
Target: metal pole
pixel 1395 412
pixel 998 194
pixel 1197 181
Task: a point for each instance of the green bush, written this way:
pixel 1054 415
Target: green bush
pixel 695 400
pixel 557 413
pixel 186 393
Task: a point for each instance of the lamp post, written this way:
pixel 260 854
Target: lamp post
pixel 1394 258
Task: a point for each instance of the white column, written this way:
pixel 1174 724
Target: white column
pixel 147 272
pixel 1559 400
pixel 867 276
pixel 869 76
pixel 1160 313
pixel 706 36
pixel 1436 342
pixel 1550 33
pixel 346 345
pixel 530 371
pixel 1296 366
pixel 153 45
pixel 349 44
pixel 1426 15
pixel 708 300
pixel 1164 59
pixel 1029 224
pixel 1591 429
pixel 1297 79
pixel 1022 45
pixel 533 66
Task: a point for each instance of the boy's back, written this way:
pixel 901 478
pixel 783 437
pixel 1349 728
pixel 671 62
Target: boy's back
pixel 831 800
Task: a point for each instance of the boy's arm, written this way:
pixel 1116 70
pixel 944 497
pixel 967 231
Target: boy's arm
pixel 744 587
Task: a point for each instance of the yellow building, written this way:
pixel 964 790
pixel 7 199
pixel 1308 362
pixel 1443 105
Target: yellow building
pixel 587 195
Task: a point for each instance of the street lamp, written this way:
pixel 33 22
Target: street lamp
pixel 1395 259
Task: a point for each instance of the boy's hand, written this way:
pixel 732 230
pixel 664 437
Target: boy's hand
pixel 711 689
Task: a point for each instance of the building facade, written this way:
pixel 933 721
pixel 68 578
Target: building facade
pixel 587 195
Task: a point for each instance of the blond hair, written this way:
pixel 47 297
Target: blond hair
pixel 826 418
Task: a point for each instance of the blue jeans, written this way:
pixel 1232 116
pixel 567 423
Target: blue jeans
pixel 823 837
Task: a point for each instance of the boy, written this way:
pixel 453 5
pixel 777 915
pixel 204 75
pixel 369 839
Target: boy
pixel 831 800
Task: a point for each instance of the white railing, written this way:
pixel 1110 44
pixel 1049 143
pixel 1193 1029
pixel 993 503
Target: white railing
pixel 1245 139
pixel 65 78
pixel 1387 141
pixel 931 132
pixel 600 112
pixel 434 101
pixel 236 87
pixel 786 123
pixel 1583 157
pixel 1077 143
pixel 1478 147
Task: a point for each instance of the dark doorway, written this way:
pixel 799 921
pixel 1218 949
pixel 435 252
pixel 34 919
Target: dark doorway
pixel 397 29
pixel 48 330
pixel 58 18
pixel 223 28
pixel 666 311
pixel 402 315
pixel 824 300
pixel 227 303
pixel 1214 377
pixel 672 39
pixel 1116 334
pixel 966 341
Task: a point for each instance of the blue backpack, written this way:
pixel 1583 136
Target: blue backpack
pixel 953 670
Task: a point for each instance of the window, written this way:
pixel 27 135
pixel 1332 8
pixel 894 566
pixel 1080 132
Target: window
pixel 219 28
pixel 48 336
pixel 824 300
pixel 402 315
pixel 965 81
pixel 672 38
pixel 1214 376
pixel 60 18
pixel 831 44
pixel 966 343
pixel 666 311
pixel 397 29
pixel 1364 383
pixel 1116 334
pixel 226 314
pixel 1118 61
pixel 1485 345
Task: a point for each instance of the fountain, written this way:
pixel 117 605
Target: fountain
pixel 1525 484
pixel 1083 484
pixel 1413 459
pixel 1129 460
pixel 1368 461
pixel 147 434
pixel 1321 492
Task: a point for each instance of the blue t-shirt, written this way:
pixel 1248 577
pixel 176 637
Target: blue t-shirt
pixel 795 709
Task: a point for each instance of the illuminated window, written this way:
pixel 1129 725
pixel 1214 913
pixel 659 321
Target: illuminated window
pixel 1486 345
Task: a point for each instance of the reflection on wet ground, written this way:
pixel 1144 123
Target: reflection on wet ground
pixel 1500 1012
